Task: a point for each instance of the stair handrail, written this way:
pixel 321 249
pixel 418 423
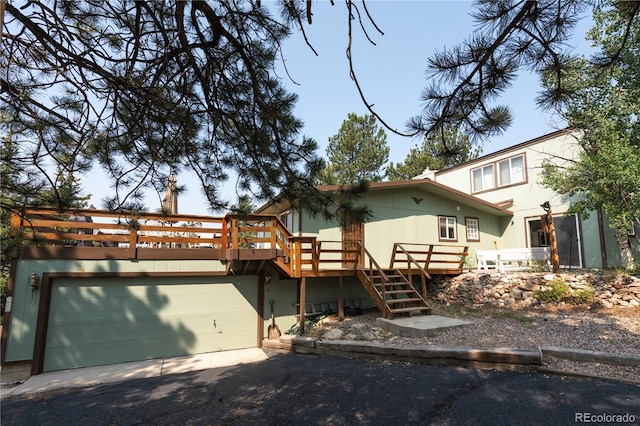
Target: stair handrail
pixel 424 275
pixel 378 269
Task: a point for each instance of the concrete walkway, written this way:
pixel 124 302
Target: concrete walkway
pixel 419 325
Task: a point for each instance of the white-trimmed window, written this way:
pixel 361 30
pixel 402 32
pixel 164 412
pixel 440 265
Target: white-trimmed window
pixel 482 178
pixel 447 228
pixel 511 171
pixel 473 228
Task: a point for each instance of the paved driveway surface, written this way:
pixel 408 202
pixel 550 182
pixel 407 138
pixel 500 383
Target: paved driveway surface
pixel 315 390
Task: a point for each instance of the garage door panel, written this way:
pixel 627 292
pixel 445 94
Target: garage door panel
pixel 111 321
pixel 124 351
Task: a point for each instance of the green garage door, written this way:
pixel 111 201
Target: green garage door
pixel 113 320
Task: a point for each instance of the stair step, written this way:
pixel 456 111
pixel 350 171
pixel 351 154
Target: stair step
pixel 402 288
pixel 403 292
pixel 404 300
pixel 415 308
pixel 407 291
pixel 400 283
pixel 394 278
pixel 388 284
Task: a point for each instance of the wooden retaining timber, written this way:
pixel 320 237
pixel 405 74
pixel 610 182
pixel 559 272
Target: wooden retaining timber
pixel 591 356
pixel 501 358
pixel 251 240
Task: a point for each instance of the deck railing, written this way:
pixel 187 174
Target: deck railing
pixel 257 231
pixel 296 256
pixel 304 256
pixel 441 257
pixel 100 228
pixel 312 257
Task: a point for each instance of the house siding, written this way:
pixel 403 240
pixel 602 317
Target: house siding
pixel 527 196
pixel 410 215
pixel 284 293
pixel 560 148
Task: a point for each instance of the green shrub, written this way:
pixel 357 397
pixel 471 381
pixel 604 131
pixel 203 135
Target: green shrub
pixel 309 326
pixel 470 263
pixel 584 295
pixel 555 292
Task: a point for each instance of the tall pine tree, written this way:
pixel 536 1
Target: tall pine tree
pixel 357 153
pixel 602 99
pixel 436 153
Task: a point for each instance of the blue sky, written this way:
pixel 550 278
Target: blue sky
pixel 391 74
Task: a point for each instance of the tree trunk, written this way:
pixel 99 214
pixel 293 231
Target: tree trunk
pixel 626 254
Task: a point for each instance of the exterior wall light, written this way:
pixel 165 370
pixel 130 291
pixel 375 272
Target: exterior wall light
pixel 34 283
pixel 267 281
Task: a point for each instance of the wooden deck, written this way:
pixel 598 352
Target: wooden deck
pixel 243 243
pixel 249 239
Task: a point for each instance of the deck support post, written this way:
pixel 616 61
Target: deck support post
pixel 340 299
pixel 261 285
pixel 302 283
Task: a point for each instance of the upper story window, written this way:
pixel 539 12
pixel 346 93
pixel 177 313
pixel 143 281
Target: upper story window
pixel 447 225
pixel 511 171
pixel 483 178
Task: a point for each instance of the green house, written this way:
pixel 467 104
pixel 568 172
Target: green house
pixel 97 287
pixel 411 212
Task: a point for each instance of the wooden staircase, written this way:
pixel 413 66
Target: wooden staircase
pixel 392 292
